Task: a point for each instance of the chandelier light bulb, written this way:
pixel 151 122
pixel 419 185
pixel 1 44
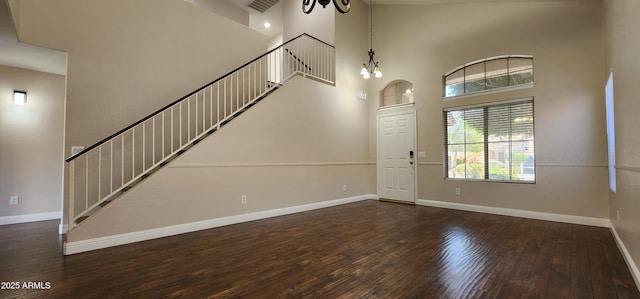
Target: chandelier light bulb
pixel 377 72
pixel 363 71
pixel 366 75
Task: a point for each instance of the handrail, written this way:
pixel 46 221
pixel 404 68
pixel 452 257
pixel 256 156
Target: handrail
pixel 87 149
pixel 298 59
pixel 103 171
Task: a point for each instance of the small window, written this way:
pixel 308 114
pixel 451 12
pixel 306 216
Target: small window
pixel 488 74
pixel 491 142
pixel 611 133
pixel 396 93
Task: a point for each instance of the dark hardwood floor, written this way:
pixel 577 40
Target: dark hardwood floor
pixel 366 249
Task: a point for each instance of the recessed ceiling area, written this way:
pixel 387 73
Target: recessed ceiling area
pixel 26 56
pixel 257 20
pixel 242 12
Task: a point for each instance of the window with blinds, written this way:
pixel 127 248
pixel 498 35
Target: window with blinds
pixel 491 142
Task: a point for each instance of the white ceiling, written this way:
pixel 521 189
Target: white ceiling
pixel 420 2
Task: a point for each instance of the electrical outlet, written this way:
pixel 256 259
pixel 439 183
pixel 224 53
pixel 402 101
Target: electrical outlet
pixel 14 200
pixel 458 191
pixel 243 200
pixel 344 188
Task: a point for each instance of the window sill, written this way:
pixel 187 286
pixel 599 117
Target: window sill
pixel 491 181
pixel 491 91
pixel 390 107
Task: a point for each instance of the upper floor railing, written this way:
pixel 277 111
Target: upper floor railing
pixel 102 171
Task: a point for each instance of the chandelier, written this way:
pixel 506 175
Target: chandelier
pixel 371 67
pixel 343 6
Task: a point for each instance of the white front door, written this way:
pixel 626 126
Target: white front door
pixel 397 157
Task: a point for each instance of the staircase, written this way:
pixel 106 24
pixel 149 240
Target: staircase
pixel 101 173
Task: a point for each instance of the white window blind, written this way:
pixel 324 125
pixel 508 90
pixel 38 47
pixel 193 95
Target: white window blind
pixel 491 142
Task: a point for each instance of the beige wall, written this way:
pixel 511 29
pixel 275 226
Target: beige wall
pixel 31 136
pixel 623 45
pixel 295 147
pixel 292 148
pixel 320 23
pixel 566 40
pixel 126 59
pixel 14 8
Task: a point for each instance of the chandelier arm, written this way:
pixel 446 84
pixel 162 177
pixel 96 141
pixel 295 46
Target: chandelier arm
pixel 371 67
pixel 343 7
pixel 309 4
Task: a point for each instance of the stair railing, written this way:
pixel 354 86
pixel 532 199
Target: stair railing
pixel 101 172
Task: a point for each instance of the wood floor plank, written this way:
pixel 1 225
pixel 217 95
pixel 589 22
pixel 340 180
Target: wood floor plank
pixel 367 249
pixel 560 273
pixel 622 279
pixel 601 281
pixel 580 276
pixel 519 277
pixel 512 249
pixel 539 276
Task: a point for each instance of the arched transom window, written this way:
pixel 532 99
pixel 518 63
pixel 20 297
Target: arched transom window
pixel 488 74
pixel 397 93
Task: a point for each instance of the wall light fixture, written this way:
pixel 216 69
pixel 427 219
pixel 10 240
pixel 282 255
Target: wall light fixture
pixel 19 97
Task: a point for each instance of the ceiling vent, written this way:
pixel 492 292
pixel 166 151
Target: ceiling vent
pixel 262 5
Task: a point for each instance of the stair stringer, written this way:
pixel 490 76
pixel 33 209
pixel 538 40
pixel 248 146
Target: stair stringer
pixel 277 165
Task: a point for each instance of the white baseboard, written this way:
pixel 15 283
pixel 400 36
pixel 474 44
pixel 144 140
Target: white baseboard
pixel 63 228
pixel 115 240
pixel 592 221
pixel 627 257
pixel 30 218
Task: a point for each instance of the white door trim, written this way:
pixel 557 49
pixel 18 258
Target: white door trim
pixel 415 148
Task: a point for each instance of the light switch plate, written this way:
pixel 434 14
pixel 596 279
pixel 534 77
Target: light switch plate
pixel 362 95
pixel 13 200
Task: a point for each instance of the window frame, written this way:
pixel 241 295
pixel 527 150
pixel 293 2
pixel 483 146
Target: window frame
pixel 486 142
pixel 484 61
pixel 611 132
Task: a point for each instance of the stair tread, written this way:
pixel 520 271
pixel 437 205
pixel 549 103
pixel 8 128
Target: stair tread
pixel 80 219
